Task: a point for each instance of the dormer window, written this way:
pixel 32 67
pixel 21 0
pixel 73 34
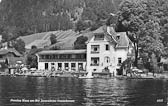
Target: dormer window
pixel 99 37
pixel 118 37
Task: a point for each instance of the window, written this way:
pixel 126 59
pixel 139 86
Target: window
pixel 63 56
pixel 73 56
pixel 66 66
pixel 94 61
pixel 73 66
pixel 119 60
pixel 107 59
pixel 118 37
pixel 47 57
pixel 80 66
pixel 46 66
pixel 52 67
pixel 95 48
pixel 55 56
pixel 99 37
pixel 50 57
pixel 42 57
pixel 59 65
pixel 107 47
pixel 79 56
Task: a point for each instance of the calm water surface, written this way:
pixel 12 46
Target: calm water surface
pixel 85 92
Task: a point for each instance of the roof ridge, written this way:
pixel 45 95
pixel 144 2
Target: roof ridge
pixel 111 34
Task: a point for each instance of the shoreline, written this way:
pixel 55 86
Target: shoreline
pixel 156 77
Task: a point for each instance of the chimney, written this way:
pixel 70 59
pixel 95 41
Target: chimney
pixel 105 28
pixel 110 30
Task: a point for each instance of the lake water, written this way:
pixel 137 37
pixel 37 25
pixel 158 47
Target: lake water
pixel 82 92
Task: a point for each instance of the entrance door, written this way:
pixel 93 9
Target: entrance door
pixel 66 66
pixel 73 66
pixel 60 66
pixel 80 66
pixel 46 66
pixel 106 61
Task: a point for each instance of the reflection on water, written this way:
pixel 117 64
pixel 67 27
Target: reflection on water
pixel 85 92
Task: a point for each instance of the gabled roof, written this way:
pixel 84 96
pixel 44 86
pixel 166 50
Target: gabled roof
pixel 123 40
pixel 111 36
pixel 102 30
pixel 10 50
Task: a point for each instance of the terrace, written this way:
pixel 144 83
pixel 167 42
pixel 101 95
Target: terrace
pixel 62 55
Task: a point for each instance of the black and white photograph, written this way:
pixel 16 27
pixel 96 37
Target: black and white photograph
pixel 83 52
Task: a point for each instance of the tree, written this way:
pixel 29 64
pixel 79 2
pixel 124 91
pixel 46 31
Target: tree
pixel 19 45
pixel 80 42
pixel 80 25
pixel 47 15
pixel 32 58
pixel 126 65
pixel 141 25
pixel 112 19
pixel 53 39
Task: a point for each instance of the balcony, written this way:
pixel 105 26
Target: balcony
pixel 61 60
pixel 94 52
pixel 119 64
pixel 99 37
pixel 94 64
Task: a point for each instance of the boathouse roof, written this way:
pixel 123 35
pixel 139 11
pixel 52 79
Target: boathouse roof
pixel 81 51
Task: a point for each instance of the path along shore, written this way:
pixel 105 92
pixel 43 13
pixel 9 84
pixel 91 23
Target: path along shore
pixel 129 76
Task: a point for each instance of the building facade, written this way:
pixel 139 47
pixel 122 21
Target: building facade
pixel 9 58
pixel 105 52
pixel 62 60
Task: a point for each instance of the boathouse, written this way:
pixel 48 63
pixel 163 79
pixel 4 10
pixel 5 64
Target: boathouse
pixel 62 60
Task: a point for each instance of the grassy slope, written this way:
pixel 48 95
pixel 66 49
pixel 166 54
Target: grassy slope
pixel 65 39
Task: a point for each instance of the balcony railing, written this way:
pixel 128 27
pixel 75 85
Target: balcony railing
pixel 119 64
pixel 55 60
pixel 94 52
pixel 94 64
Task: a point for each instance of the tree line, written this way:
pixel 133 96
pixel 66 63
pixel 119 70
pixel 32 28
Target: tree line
pixel 145 22
pixel 24 17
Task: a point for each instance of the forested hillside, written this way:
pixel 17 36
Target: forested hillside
pixel 23 17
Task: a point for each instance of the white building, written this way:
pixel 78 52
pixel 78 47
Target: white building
pixel 62 60
pixel 106 50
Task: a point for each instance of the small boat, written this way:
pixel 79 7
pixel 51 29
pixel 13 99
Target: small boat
pixel 88 76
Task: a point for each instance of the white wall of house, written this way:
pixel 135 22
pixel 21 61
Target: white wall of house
pixel 41 65
pixel 113 53
pixel 103 53
pixel 121 53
